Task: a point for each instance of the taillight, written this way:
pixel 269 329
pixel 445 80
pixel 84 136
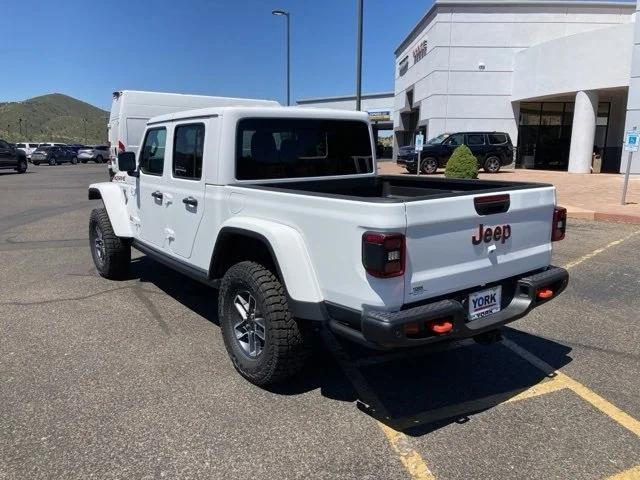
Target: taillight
pixel 121 148
pixel 559 226
pixel 383 254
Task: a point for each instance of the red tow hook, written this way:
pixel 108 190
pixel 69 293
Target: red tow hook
pixel 544 293
pixel 440 326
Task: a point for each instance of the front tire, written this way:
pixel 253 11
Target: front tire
pixel 74 160
pixel 111 256
pixel 22 166
pixel 265 343
pixel 36 163
pixel 52 161
pixel 429 166
pixel 99 159
pixel 492 164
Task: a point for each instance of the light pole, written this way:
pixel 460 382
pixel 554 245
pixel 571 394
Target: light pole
pixel 281 13
pixel 359 58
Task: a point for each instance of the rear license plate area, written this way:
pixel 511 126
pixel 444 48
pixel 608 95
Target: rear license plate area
pixel 484 302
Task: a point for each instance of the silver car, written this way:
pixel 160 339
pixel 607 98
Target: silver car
pixel 94 153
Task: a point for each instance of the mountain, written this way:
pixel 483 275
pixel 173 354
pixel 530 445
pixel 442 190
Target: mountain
pixel 53 118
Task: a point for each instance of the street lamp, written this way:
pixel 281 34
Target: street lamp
pixel 282 13
pixel 359 58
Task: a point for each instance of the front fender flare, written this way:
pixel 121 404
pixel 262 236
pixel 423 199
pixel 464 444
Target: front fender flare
pixel 289 251
pixel 114 201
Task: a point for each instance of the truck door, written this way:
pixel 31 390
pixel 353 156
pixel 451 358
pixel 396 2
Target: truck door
pixel 186 186
pixel 6 155
pixel 152 200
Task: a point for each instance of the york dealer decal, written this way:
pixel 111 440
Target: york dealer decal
pixel 499 233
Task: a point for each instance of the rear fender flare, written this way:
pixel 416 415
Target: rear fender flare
pixel 289 251
pixel 114 201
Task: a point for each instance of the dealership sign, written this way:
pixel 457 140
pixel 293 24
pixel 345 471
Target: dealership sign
pixel 380 115
pixel 420 51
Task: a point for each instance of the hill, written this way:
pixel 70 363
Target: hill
pixel 56 118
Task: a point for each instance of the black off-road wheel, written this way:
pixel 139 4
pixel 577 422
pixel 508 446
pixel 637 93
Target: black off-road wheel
pixel 111 255
pixel 266 344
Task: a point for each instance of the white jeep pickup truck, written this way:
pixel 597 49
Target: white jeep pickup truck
pixel 282 210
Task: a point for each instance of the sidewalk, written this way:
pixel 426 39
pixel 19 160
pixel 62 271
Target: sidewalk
pixel 585 196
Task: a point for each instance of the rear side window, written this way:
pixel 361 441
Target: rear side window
pixel 294 148
pixel 475 139
pixel 497 138
pixel 188 146
pixel 152 153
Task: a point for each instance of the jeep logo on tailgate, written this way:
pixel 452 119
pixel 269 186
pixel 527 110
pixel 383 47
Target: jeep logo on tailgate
pixel 499 232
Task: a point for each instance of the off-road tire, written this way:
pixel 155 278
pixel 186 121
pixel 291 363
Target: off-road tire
pixel 22 166
pixel 117 254
pixel 429 165
pixel 285 348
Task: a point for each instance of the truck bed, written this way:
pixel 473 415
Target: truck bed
pixel 395 188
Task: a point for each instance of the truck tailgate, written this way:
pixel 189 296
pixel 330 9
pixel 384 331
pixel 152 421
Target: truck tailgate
pixel 441 254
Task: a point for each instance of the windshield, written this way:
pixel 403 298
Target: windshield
pixel 293 148
pixel 438 140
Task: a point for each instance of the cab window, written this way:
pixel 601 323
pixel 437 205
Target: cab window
pixel 188 147
pixel 152 153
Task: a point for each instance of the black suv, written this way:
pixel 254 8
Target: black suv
pixel 491 149
pixel 12 158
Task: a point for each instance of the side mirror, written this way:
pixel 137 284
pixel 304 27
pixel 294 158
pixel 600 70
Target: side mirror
pixel 127 162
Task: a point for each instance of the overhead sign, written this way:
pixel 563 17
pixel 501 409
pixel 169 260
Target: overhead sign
pixel 419 142
pixel 380 115
pixel 631 141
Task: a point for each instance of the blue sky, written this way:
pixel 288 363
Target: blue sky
pixel 87 49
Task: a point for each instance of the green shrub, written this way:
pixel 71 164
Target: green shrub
pixel 462 164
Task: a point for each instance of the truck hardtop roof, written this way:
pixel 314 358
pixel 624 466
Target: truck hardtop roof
pixel 261 111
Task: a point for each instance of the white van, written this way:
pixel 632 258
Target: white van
pixel 131 109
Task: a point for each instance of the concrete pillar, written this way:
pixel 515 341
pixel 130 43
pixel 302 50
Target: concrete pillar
pixel 583 132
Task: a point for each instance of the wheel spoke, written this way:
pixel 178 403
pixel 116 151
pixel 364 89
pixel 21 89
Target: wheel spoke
pixel 242 306
pixel 260 330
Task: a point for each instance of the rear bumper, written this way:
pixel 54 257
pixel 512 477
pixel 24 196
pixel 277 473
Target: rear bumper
pixel 386 330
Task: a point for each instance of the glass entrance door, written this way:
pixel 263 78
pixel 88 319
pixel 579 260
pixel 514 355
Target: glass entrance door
pixel 544 134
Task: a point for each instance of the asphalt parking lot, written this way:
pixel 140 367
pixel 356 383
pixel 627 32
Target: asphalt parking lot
pixel 131 379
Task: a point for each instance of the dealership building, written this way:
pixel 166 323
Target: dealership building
pixel 555 74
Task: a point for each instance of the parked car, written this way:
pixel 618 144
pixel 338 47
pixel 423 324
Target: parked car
pixel 244 199
pixel 492 150
pixel 12 158
pixel 53 155
pixel 75 147
pixel 94 153
pixel 27 147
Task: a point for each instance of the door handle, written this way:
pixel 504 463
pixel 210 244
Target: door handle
pixel 157 195
pixel 192 202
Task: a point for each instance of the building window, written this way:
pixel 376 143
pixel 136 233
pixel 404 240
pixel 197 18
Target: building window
pixel 403 66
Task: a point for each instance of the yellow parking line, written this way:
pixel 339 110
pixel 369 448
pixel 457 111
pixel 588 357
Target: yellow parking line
pixel 631 474
pixel 609 409
pixel 598 251
pixel 542 388
pixel 411 460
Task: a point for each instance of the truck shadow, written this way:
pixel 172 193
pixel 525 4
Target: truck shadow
pixel 414 391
